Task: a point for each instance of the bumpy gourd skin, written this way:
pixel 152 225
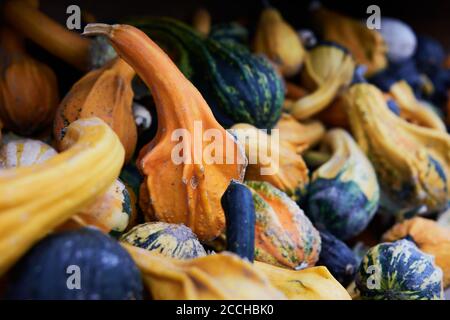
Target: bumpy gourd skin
pixel 412 163
pixel 184 182
pixel 343 194
pixel 400 272
pixel 172 240
pixel 284 236
pixel 36 199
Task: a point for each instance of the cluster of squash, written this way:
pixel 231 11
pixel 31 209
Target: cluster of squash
pixel 340 201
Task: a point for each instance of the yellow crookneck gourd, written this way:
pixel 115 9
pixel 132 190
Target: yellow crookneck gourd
pixel 28 88
pixel 315 283
pixel 270 160
pixel 412 110
pixel 366 45
pixel 105 93
pixel 184 180
pixel 412 162
pixel 279 42
pixel 297 135
pixel 328 69
pixel 429 236
pixel 37 198
pixel 219 276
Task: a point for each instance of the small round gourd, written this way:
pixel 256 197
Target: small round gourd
pixel 400 39
pixel 399 271
pixel 76 265
pixel 172 240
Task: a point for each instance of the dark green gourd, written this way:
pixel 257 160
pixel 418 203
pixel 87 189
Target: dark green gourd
pixel 238 85
pixel 399 271
pixel 237 203
pixel 231 31
pixel 49 270
pixel 338 258
pixel 171 240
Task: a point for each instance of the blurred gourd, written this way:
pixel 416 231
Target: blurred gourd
pixel 238 85
pixel 328 69
pixel 185 188
pixel 90 146
pixel 270 160
pixel 279 42
pixel 412 110
pixel 220 276
pixel 429 237
pixel 111 212
pixel 171 240
pixel 366 45
pixel 229 32
pixel 28 88
pixel 202 21
pixel 337 257
pixel 399 271
pixel 343 193
pixel 105 93
pixel 400 39
pixel 314 283
pixel 284 236
pixel 24 152
pixel 412 163
pixel 106 270
pixel 299 135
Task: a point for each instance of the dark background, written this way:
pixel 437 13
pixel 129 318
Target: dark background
pixel 430 16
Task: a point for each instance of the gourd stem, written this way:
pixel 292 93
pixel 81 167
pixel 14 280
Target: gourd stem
pixel 237 203
pixel 47 33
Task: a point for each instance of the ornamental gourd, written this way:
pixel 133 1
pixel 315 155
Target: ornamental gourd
pixel 221 276
pixel 238 86
pixel 185 189
pixel 279 42
pixel 299 135
pixel 270 160
pixel 105 93
pixel 314 283
pixel 171 240
pixel 343 193
pixel 111 212
pixel 24 152
pixel 414 111
pixel 82 53
pixel 106 269
pixel 284 236
pixel 328 69
pixel 366 45
pixel 88 146
pixel 429 236
pixel 28 88
pixel 338 258
pixel 412 163
pixel 402 272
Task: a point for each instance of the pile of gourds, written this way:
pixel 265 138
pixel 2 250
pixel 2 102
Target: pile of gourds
pixel 107 191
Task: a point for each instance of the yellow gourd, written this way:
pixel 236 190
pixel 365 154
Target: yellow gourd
pixel 220 276
pixel 328 69
pixel 412 110
pixel 37 198
pixel 412 162
pixel 366 45
pixel 279 41
pixel 315 283
pixel 270 160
